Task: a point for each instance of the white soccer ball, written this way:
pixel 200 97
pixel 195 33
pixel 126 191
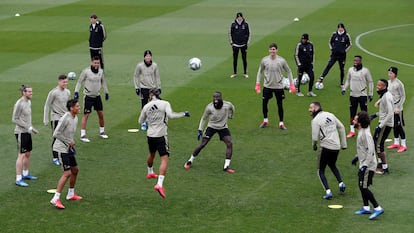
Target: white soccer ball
pixel 286 83
pixel 194 63
pixel 305 78
pixel 72 75
pixel 318 86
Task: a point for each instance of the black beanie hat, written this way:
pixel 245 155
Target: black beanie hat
pixel 147 52
pixel 394 70
pixel 341 25
pixel 239 14
pixel 305 36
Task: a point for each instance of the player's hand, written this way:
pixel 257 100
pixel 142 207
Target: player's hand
pixel 200 134
pixel 257 88
pixel 372 116
pixel 33 130
pixel 354 160
pixel 76 95
pixel 363 169
pixel 187 114
pixel 106 96
pixel 343 92
pixel 370 97
pixel 315 147
pixel 292 88
pixel 138 91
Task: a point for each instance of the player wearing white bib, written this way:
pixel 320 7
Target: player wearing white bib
pixel 156 113
pixel 325 127
pixel 55 105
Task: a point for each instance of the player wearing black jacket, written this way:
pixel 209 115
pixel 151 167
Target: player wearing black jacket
pixel 96 38
pixel 304 57
pixel 339 43
pixel 239 36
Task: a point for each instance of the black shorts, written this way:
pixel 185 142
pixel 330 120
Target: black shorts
pixel 24 142
pixel 95 102
pixel 365 178
pixel 159 144
pixel 268 93
pixel 68 160
pixel 221 132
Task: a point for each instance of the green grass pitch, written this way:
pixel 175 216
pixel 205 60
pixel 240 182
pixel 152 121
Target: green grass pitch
pixel 275 187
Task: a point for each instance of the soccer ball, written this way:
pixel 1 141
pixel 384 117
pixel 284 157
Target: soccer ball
pixel 286 83
pixel 72 75
pixel 305 78
pixel 318 86
pixel 194 63
pixel 296 82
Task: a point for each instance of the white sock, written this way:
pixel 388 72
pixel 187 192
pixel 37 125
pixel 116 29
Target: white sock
pixel 83 132
pixel 150 170
pixel 227 163
pixel 280 123
pixel 191 159
pixel 403 143
pixel 18 177
pixel 384 166
pixel 378 208
pixel 56 196
pixel 340 184
pixel 328 191
pixel 101 129
pixel 160 180
pixel 397 141
pixel 25 172
pixel 352 128
pixel 71 192
pixel 266 120
pixel 366 208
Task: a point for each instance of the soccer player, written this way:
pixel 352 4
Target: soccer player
pixel 385 123
pixel 216 113
pixel 22 117
pixel 367 165
pixel 55 105
pixel 146 77
pixel 157 112
pixel 359 80
pixel 325 127
pixel 273 66
pixel 64 148
pixel 396 88
pixel 304 58
pixel 93 80
pixel 239 37
pixel 97 35
pixel 339 44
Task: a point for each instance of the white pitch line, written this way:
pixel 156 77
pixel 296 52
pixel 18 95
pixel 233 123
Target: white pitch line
pixel 376 55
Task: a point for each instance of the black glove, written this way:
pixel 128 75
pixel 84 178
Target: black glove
pixel 138 91
pixel 377 130
pixel 315 147
pixel 370 98
pixel 343 92
pixel 76 95
pixel 363 169
pixel 372 116
pixel 186 114
pixel 106 96
pixel 354 160
pixel 200 134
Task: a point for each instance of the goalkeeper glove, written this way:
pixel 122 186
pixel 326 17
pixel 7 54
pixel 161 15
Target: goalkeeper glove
pixel 354 160
pixel 187 114
pixel 138 91
pixel 76 95
pixel 257 88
